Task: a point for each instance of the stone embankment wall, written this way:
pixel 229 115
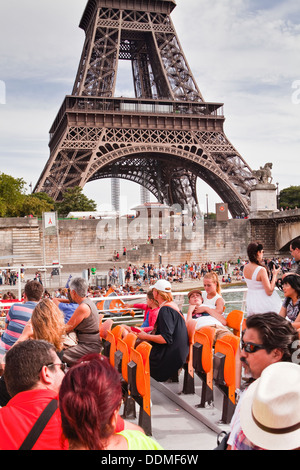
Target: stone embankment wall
pixel 84 242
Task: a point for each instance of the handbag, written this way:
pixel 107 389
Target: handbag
pixel 222 440
pixel 70 339
pixel 40 425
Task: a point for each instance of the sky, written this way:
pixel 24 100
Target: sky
pixel 243 53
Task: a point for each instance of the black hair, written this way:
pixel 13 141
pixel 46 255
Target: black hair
pixel 252 250
pixel 23 363
pixel 295 243
pixel 275 332
pixel 294 281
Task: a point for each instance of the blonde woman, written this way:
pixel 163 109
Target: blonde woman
pixel 210 311
pixel 47 323
pixel 170 344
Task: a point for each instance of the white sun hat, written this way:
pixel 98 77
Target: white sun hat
pixel 163 286
pixel 270 408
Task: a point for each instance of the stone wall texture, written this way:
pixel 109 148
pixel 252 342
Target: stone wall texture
pixel 84 242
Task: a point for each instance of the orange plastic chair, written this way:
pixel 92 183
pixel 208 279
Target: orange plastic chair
pixel 203 362
pixel 122 359
pixel 226 349
pixel 112 337
pixel 139 383
pixel 234 321
pixel 125 346
pixel 188 381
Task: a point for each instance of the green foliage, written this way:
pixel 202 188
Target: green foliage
pixel 3 207
pixel 34 205
pixel 11 195
pixel 289 198
pixel 75 201
pixel 14 202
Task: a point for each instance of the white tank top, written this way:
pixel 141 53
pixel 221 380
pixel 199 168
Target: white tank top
pixel 210 302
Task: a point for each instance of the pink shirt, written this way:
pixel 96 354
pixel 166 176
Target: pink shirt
pixel 149 317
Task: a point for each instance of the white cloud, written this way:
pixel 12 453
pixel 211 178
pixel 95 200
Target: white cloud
pixel 245 54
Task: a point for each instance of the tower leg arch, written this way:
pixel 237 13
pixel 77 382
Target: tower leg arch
pixel 166 167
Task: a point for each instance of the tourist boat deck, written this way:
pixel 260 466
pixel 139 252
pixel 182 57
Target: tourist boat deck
pixel 177 422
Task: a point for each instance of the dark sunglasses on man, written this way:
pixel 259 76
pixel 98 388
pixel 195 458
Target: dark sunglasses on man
pixel 250 347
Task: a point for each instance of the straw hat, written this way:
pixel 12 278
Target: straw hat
pixel 270 408
pixel 163 286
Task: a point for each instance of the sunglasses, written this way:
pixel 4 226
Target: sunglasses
pixel 63 366
pixel 251 347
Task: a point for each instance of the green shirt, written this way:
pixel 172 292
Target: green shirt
pixel 139 441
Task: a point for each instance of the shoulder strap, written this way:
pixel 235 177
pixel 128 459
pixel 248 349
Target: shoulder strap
pixel 39 426
pixel 255 273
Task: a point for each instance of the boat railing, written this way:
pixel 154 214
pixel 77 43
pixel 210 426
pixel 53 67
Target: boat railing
pixel 118 317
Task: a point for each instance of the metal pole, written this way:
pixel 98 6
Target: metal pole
pixel 44 251
pixel 58 246
pixel 19 284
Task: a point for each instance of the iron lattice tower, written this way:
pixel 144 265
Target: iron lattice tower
pixel 164 138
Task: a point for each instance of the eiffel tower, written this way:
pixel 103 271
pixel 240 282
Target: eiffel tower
pixel 164 138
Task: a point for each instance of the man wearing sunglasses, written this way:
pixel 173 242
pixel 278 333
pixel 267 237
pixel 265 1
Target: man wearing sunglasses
pixel 266 340
pixel 33 375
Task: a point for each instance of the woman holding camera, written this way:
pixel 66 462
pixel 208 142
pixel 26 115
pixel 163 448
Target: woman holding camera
pixel 261 295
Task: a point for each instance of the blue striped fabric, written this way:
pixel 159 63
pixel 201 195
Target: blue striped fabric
pixel 16 319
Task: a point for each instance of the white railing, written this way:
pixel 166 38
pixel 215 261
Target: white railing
pixel 19 269
pixel 179 297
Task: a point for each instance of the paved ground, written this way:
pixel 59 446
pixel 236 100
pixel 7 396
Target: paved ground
pixel 176 422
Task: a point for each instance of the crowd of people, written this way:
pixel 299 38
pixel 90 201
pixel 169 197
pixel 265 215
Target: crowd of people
pixel 148 274
pixel 51 361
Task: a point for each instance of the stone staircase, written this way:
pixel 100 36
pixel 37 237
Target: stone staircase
pixel 26 246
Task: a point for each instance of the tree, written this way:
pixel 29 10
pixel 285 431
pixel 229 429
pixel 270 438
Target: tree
pixel 14 202
pixel 12 191
pixel 35 205
pixel 75 201
pixel 289 198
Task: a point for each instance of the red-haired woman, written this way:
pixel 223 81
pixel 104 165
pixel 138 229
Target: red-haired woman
pixel 89 400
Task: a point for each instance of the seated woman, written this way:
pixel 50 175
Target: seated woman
pixel 291 305
pixel 85 323
pixel 169 339
pixel 47 323
pixel 89 400
pixel 207 307
pixel 151 311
